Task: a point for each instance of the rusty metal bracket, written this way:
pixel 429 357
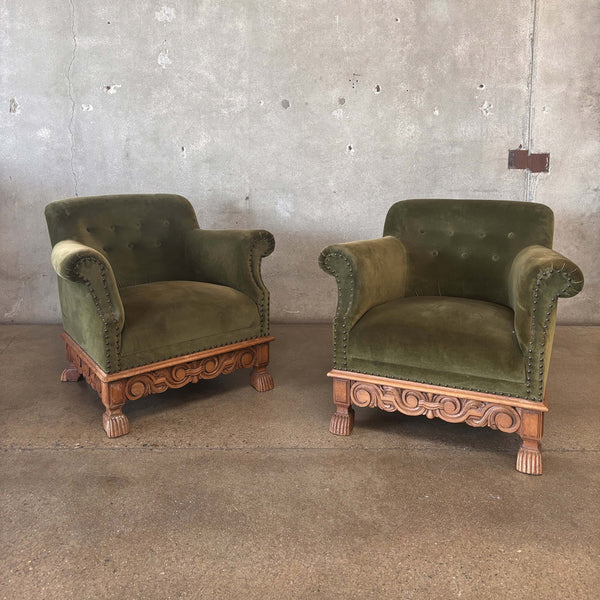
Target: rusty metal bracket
pixel 521 159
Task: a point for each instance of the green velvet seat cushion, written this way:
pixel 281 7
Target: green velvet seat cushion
pixel 453 342
pixel 165 319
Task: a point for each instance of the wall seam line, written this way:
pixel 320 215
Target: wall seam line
pixel 529 180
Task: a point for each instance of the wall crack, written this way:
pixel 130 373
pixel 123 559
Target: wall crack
pixel 70 88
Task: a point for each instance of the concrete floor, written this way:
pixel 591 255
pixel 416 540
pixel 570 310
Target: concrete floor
pixel 222 492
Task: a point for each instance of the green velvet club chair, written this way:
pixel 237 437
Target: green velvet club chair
pixel 451 314
pixel 150 301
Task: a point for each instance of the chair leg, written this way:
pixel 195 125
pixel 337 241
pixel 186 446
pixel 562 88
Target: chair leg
pixel 115 423
pixel 260 379
pixel 342 420
pixel 71 373
pixel 529 458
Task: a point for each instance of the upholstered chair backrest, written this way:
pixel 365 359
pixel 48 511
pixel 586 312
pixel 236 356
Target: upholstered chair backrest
pixel 141 235
pixel 465 248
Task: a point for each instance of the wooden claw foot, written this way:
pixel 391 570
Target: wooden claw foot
pixel 261 380
pixel 115 424
pixel 529 458
pixel 342 422
pixel 115 389
pixel 71 373
pixel 478 409
pixel 113 396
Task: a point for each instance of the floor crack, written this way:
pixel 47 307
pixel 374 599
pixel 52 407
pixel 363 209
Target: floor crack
pixel 70 84
pixel 10 341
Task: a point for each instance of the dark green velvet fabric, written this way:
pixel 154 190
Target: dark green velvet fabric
pixel 454 342
pixel 368 273
pixel 90 301
pixel 538 277
pixel 172 318
pixel 107 249
pixel 141 235
pixel 95 330
pixel 232 257
pixel 454 253
pixel 465 248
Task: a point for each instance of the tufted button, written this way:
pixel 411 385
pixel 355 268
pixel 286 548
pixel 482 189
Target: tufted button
pixel 421 231
pixel 113 227
pixel 450 232
pixel 511 235
pixel 158 243
pixel 166 223
pixel 464 254
pixel 434 253
pixel 88 229
pixel 131 245
pixel 106 248
pixel 495 257
pixel 482 234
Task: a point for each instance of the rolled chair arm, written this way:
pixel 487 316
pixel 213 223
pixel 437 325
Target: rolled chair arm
pixel 537 278
pixel 232 257
pixel 91 305
pixel 367 273
pixel 79 263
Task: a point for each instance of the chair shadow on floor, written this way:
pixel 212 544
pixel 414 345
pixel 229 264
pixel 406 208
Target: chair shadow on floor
pixel 226 388
pixel 423 432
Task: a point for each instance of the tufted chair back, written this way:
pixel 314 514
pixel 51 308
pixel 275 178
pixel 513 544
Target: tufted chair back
pixel 465 248
pixel 141 235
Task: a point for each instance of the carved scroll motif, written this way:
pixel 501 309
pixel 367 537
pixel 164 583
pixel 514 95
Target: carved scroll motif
pixel 449 408
pixel 88 374
pixel 179 375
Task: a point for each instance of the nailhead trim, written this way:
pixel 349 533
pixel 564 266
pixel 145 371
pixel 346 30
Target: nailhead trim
pixel 107 326
pixel 545 274
pixel 201 349
pixel 338 317
pixel 439 383
pixel 263 306
pixel 542 275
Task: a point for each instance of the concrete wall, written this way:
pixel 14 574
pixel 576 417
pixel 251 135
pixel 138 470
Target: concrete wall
pixel 305 117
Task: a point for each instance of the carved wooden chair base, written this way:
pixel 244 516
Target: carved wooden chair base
pixel 510 415
pixel 115 389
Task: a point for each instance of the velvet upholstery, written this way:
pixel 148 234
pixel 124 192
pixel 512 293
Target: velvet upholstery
pixel 367 273
pixel 168 318
pixel 209 252
pixel 401 339
pixel 139 282
pixel 141 235
pixel 458 293
pixel 465 248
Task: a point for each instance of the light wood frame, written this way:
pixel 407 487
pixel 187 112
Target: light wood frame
pixel 478 409
pixel 115 389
